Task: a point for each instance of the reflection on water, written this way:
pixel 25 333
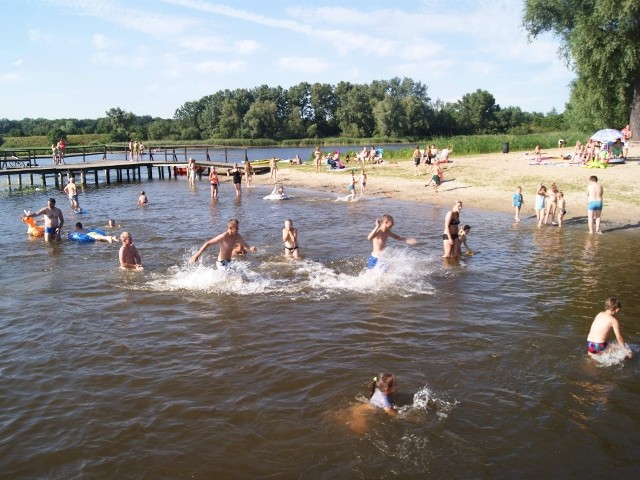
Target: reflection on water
pixel 190 371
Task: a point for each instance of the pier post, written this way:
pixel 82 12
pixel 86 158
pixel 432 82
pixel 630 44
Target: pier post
pixel 149 172
pixel 31 178
pixel 83 178
pixel 44 180
pixel 20 180
pixel 95 176
pixel 108 175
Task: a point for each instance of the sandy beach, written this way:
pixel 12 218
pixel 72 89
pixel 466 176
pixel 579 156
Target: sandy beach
pixel 489 181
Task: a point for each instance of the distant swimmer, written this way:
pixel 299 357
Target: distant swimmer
pixel 227 241
pixel 379 235
pixel 463 234
pixel 290 239
pixel 213 180
pixel 602 325
pixel 53 220
pixel 128 255
pixel 142 199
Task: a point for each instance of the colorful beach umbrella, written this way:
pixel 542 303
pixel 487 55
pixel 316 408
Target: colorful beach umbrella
pixel 606 135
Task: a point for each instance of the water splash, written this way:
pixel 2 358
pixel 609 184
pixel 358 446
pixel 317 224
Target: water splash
pixel 614 355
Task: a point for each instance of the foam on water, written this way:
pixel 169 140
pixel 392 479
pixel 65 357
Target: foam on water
pixel 614 355
pixel 399 272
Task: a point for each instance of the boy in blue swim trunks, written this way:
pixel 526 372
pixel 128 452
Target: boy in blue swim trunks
pixel 595 192
pixel 602 324
pixel 227 241
pixel 378 237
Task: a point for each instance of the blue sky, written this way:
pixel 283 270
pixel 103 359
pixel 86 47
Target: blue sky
pixel 79 58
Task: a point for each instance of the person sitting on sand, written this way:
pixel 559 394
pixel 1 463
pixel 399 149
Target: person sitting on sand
pixel 227 241
pixel 95 235
pixel 602 325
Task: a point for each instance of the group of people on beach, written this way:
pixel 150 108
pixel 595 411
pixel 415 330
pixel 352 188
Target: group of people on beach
pixel 550 204
pixel 58 151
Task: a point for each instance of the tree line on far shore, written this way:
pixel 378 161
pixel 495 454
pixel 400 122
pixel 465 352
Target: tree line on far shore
pixel 396 108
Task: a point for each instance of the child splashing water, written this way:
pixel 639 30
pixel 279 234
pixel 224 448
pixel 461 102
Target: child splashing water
pixel 383 385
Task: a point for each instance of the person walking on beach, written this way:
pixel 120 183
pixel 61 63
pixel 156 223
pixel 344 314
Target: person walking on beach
pixel 237 179
pixel 363 182
pixel 435 176
pixel 627 134
pixel 290 239
pixel 450 235
pixel 318 158
pixel 595 192
pixel 518 201
pixel 227 241
pixel 273 167
pixel 417 156
pixel 602 325
pixel 53 220
pixel 72 191
pixel 213 180
pixel 128 255
pixel 378 238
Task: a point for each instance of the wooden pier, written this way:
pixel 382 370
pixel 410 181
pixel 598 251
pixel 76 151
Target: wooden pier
pixel 26 168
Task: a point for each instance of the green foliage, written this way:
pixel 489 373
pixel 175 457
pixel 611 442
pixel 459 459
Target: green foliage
pixel 55 135
pixel 1 140
pixel 601 40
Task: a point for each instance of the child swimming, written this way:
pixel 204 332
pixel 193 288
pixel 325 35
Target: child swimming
pixel 383 385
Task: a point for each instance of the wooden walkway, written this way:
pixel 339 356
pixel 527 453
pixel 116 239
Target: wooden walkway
pixel 109 171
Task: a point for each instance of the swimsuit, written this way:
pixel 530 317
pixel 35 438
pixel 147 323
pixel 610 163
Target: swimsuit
pixel 50 230
pixel 372 262
pixel 291 249
pixel 539 202
pixel 380 400
pixel 436 179
pixel 453 236
pixel 237 178
pixel 454 221
pixel 517 200
pixel 595 205
pixel 223 263
pixel 595 347
pixel 351 187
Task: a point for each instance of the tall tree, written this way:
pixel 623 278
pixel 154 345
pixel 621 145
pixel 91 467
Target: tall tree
pixel 601 40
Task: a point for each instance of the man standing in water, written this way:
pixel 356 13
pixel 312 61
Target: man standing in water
pixel 227 241
pixel 53 220
pixel 72 191
pixel 595 193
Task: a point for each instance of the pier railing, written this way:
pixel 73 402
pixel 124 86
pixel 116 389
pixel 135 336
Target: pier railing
pixel 28 157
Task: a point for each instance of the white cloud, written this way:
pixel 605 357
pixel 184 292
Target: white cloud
pixel 38 36
pixel 307 65
pixel 248 47
pixel 17 63
pixel 220 68
pixel 10 78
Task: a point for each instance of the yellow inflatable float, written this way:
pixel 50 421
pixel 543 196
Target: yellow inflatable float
pixel 33 229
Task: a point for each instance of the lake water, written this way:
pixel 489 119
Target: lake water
pixel 188 372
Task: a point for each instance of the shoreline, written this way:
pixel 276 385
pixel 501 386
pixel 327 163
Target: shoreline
pixel 488 182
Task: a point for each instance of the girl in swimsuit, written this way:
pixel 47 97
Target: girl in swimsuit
pixel 290 239
pixel 213 179
pixel 450 236
pixel 552 204
pixel 541 194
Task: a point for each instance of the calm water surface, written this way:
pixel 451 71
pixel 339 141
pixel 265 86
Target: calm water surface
pixel 187 372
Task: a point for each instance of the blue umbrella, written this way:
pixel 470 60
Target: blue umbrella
pixel 606 135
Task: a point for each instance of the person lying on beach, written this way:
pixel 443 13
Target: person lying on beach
pixel 602 325
pixel 128 255
pixel 227 241
pixel 378 237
